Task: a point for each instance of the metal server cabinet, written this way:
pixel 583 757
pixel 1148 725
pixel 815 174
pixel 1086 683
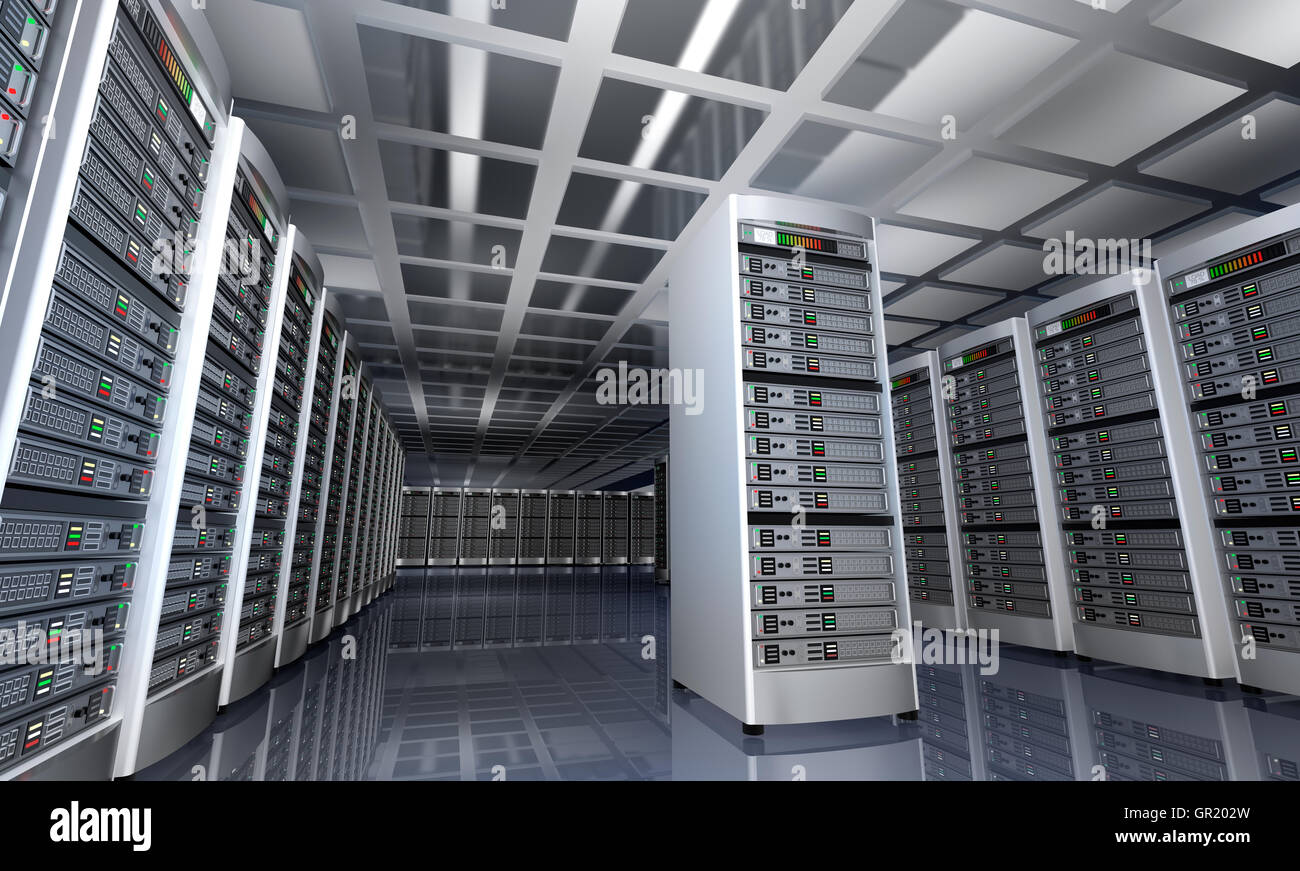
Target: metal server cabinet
pixel 641 537
pixel 1137 536
pixel 615 527
pixel 340 454
pixel 246 653
pixel 503 531
pixel 352 411
pixel 354 502
pixel 105 349
pixel 325 417
pixel 413 549
pixel 561 511
pixel 532 527
pixel 785 557
pixel 930 538
pixel 1230 304
pixel 662 526
pixel 1011 560
pixel 444 527
pixel 368 536
pixel 587 528
pixel 317 347
pixel 476 517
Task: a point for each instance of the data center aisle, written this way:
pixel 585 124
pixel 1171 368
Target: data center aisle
pixel 559 673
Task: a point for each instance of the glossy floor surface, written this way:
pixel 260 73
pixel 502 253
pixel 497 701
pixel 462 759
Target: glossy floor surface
pixel 563 674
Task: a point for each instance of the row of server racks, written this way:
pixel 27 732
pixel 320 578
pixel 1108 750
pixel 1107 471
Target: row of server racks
pixel 202 482
pixel 448 526
pixel 1115 473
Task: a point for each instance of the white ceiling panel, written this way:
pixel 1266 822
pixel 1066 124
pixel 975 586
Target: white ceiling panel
pixel 1005 265
pixel 1118 107
pixel 1265 29
pixel 988 193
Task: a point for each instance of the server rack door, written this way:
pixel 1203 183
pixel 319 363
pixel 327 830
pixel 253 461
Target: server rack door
pixel 444 527
pixel 1228 303
pixel 414 526
pixel 1138 558
pixel 641 538
pixel 587 529
pixel 247 652
pixel 930 534
pixel 560 525
pixel 340 456
pixel 503 531
pixel 293 609
pixel 781 311
pixel 1012 561
pixel 476 517
pixel 615 527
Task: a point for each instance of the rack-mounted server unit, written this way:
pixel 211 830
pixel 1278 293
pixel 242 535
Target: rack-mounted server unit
pixel 1010 563
pixel 1230 302
pixel 925 489
pixel 1127 506
pixel 787 545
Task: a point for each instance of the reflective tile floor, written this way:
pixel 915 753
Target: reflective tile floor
pixel 562 674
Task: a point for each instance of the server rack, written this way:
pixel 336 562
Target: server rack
pixel 662 525
pixel 1229 300
pixel 785 317
pixel 354 505
pixel 561 514
pixel 413 549
pixel 317 347
pixel 326 570
pixel 503 531
pixel 105 352
pixel 444 527
pixel 1012 566
pixel 370 518
pixel 641 535
pixel 257 225
pixel 932 543
pixel 320 459
pixel 615 528
pixel 1137 534
pixel 532 527
pixel 587 528
pixel 476 518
